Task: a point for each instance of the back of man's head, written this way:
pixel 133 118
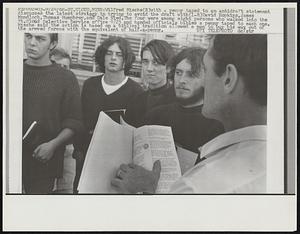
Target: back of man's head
pixel 60 53
pixel 60 56
pixel 248 53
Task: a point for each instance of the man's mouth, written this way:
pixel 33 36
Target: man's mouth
pixel 31 51
pixel 182 88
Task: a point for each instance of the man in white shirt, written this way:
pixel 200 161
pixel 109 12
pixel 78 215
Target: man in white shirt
pixel 235 69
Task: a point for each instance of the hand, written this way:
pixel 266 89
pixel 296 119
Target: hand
pixel 131 178
pixel 44 152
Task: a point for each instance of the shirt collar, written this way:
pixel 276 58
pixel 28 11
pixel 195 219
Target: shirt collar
pixel 193 109
pixel 109 89
pixel 257 132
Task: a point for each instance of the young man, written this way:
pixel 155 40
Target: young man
pixel 65 183
pixel 60 56
pixel 155 56
pixel 236 95
pixel 110 92
pixel 51 98
pixel 190 128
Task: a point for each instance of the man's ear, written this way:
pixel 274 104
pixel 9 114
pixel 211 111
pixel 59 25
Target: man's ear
pixel 230 78
pixel 53 44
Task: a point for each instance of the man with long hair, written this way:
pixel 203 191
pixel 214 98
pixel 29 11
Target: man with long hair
pixel 110 92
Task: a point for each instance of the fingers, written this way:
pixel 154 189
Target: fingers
pixel 118 185
pixel 116 182
pixel 37 154
pixel 131 165
pixel 156 167
pixel 120 174
pixel 36 151
pixel 124 167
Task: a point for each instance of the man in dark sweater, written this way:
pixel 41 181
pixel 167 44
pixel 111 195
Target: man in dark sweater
pixel 51 98
pixel 110 92
pixel 190 128
pixel 155 56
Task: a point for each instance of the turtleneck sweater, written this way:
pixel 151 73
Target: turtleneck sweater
pixel 189 127
pixel 144 102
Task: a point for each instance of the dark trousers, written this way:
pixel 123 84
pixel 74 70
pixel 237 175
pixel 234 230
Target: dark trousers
pixel 79 165
pixel 38 185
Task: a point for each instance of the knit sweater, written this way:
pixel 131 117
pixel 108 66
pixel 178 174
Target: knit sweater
pixel 135 114
pixel 94 100
pixel 189 127
pixel 51 97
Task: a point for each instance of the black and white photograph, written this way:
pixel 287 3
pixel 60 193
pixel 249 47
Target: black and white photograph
pixel 111 118
pixel 159 80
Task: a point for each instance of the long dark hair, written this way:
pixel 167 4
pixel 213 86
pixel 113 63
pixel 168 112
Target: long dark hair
pixel 128 55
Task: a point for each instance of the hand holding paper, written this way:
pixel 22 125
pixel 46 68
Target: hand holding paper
pixel 132 178
pixel 113 145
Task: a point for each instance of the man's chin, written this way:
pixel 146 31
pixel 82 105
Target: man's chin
pixel 184 100
pixel 32 56
pixel 113 69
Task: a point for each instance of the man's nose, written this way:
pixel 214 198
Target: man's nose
pixel 114 56
pixel 150 66
pixel 183 78
pixel 33 41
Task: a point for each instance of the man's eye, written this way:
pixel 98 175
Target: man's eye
pixel 109 52
pixel 156 63
pixel 119 54
pixel 179 73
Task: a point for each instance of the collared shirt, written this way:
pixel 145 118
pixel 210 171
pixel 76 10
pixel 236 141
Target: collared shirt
pixel 235 162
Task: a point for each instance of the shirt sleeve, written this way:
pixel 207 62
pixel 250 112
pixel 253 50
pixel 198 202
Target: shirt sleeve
pixel 182 186
pixel 71 105
pixel 82 139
